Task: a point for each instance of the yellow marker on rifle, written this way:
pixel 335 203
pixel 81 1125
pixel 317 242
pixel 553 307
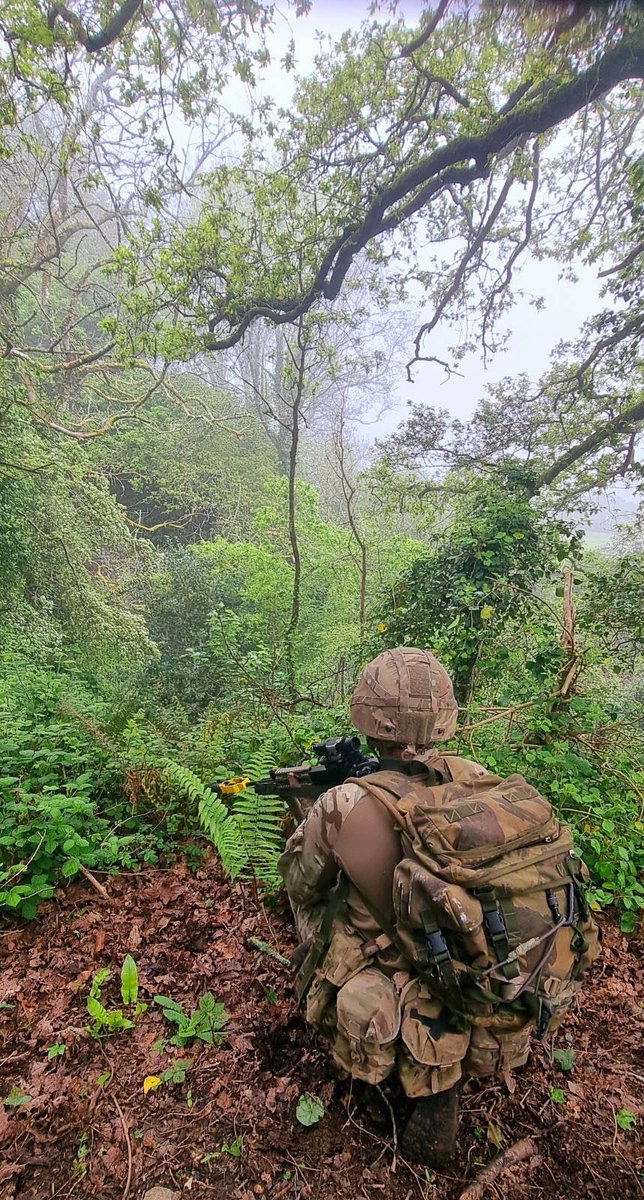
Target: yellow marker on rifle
pixel 231 787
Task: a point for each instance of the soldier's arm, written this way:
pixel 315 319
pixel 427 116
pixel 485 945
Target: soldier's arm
pixel 308 865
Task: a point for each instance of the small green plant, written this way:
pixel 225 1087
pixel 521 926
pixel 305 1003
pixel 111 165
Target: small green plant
pixel 565 1059
pixel 625 1119
pixel 206 1022
pixel 79 1166
pixel 558 1096
pixel 270 995
pixel 106 1020
pixel 176 1073
pixel 129 980
pixel 16 1097
pixel 102 1079
pixel 234 1149
pixel 310 1109
pixel 57 1050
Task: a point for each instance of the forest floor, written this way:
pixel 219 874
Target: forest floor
pixel 80 1123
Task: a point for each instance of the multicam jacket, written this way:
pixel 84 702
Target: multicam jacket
pixel 315 852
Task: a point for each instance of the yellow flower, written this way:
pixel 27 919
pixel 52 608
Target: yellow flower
pixel 381 627
pixel 151 1083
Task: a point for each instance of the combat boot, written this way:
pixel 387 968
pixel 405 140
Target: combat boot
pixel 429 1136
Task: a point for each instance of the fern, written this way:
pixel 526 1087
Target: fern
pixel 214 817
pixel 259 822
pixel 259 763
pixel 248 836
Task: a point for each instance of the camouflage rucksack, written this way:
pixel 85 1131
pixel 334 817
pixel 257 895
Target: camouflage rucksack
pixel 488 897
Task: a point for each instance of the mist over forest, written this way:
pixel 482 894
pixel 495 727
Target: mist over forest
pixel 264 412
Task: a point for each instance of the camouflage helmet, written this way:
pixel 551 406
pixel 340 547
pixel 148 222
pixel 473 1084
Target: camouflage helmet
pixel 405 696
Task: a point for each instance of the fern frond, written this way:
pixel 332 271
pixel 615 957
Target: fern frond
pixel 214 818
pixel 259 763
pixel 259 822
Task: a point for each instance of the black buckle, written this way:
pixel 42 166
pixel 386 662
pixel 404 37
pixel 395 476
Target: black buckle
pixel 495 923
pixel 437 947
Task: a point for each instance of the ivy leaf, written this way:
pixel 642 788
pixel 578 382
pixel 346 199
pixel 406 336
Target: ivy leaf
pixel 16 1097
pixel 565 1059
pixel 310 1109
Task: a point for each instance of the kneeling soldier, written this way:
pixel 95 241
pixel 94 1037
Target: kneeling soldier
pixel 440 909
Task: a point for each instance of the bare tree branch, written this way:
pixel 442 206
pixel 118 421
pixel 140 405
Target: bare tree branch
pixel 426 30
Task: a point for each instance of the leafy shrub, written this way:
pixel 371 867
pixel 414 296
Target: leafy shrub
pixel 598 794
pixel 62 801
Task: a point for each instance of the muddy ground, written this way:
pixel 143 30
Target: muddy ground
pixel 78 1122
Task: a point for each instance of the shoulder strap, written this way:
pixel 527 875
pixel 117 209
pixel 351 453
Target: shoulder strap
pixel 461 769
pixel 384 797
pixel 304 977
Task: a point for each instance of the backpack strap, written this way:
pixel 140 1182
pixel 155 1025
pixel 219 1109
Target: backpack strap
pixel 460 769
pixel 384 796
pixel 501 928
pixel 433 964
pixel 304 977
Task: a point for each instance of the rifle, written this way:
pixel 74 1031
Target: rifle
pixel 338 759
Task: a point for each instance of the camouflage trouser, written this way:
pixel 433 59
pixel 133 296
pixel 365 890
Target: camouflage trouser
pixel 377 1024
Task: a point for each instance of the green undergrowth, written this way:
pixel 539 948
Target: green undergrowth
pixel 87 783
pixel 585 762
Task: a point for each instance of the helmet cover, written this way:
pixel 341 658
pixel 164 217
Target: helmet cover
pixel 405 696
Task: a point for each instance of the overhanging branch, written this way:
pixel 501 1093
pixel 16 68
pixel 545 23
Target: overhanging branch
pixel 625 422
pixel 94 42
pixel 461 161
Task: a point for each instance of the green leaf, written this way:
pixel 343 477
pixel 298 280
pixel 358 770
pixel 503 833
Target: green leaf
pixel 624 1119
pixel 129 980
pixel 565 1059
pixel 558 1096
pixel 57 1050
pixel 97 1010
pixel 16 1097
pixel 310 1109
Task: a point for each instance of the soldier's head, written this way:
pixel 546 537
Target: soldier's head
pixel 404 698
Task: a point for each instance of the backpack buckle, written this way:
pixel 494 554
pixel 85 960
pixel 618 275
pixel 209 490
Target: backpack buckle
pixel 437 947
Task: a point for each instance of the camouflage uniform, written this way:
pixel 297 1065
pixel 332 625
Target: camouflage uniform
pixel 365 998
pixel 365 995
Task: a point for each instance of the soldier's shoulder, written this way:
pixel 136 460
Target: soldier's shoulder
pixel 462 768
pixel 344 796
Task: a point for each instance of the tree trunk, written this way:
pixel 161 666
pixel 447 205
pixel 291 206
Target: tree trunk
pixel 299 363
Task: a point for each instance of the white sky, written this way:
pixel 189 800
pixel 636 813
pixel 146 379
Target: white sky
pixel 534 333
